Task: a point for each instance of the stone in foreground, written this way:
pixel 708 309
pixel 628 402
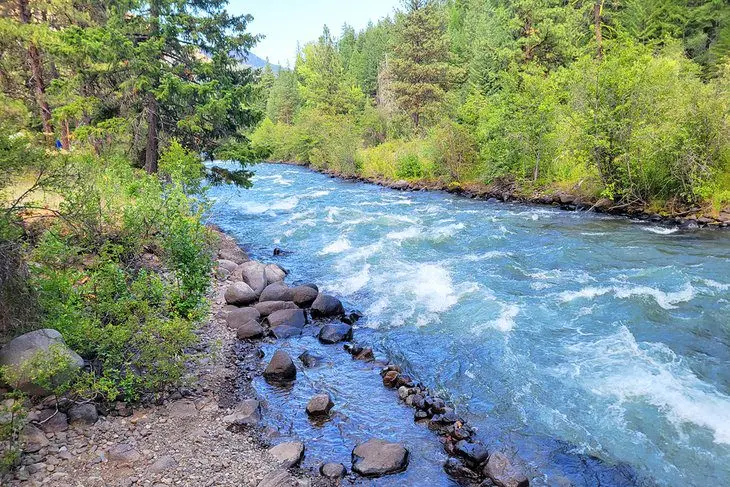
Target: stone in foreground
pixel 320 405
pixel 326 306
pixel 239 294
pixel 376 458
pixel 288 454
pixel 333 470
pixel 277 291
pixel 304 296
pixel 21 350
pixel 246 413
pixel 250 330
pixel 268 307
pixel 335 333
pixel 240 316
pixel 252 273
pixel 501 471
pixel 280 368
pixel 82 414
pixel 287 317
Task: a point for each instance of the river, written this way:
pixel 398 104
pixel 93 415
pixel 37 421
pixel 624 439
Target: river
pixel 595 347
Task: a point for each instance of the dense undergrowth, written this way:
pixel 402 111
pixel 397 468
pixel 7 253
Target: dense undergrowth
pixel 629 103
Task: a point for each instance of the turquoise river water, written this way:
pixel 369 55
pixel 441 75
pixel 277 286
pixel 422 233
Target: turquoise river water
pixel 594 347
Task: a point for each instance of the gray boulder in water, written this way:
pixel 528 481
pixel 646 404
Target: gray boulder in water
pixel 239 294
pixel 326 306
pixel 376 458
pixel 501 471
pixel 304 296
pixel 280 368
pixel 335 333
pixel 37 344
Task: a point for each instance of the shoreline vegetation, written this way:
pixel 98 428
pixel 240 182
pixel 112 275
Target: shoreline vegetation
pixel 687 219
pixel 618 105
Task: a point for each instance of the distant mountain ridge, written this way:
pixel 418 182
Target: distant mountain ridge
pixel 255 61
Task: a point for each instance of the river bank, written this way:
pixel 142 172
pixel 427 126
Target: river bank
pixel 686 218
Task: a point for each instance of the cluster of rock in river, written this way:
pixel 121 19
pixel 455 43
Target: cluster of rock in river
pixel 259 304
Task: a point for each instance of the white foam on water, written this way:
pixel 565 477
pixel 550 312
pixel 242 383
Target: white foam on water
pixel 661 230
pixel 317 194
pixel 285 204
pixel 336 247
pixel 352 284
pixel 447 231
pixel 492 254
pixel 276 179
pixel 617 366
pixel 666 300
pixel 331 214
pixel 716 285
pixel 407 234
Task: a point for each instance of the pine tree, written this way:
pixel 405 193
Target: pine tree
pixel 283 101
pixel 419 64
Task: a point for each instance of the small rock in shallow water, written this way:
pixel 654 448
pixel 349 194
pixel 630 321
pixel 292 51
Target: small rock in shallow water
pixel 376 458
pixel 280 368
pixel 333 470
pixel 288 454
pixel 320 405
pixel 334 333
pixel 474 453
pixel 352 317
pixel 309 360
pixel 390 379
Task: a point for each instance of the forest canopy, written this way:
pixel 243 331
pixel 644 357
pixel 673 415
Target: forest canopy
pixel 623 100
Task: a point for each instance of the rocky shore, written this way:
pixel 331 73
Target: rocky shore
pixel 686 218
pixel 262 308
pixel 215 431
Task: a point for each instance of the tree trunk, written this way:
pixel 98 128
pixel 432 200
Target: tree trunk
pixel 36 69
pixel 597 13
pixel 152 134
pixel 151 105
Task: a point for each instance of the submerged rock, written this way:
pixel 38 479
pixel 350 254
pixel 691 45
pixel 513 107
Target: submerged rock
pixel 240 294
pixel 288 454
pixel 20 351
pixel 333 470
pixel 326 306
pixel 309 360
pixel 320 405
pixel 501 471
pixel 335 333
pixel 280 368
pixel 377 457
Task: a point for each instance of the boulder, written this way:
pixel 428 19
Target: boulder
pixel 320 405
pixel 377 457
pixel 32 439
pixel 268 307
pixel 252 273
pixel 326 306
pixel 246 413
pixel 288 454
pixel 333 470
pixel 240 294
pixel 228 265
pixel 277 291
pixel 304 296
pixel 335 333
pixel 474 453
pixel 250 330
pixel 313 286
pixel 274 273
pixel 280 368
pixel 279 478
pixel 241 316
pixel 83 415
pixel 501 471
pixel 294 318
pixel 52 421
pixel 18 353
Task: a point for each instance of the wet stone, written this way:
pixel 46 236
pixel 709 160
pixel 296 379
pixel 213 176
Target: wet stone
pixel 333 470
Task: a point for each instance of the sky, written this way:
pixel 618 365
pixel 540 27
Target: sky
pixel 286 22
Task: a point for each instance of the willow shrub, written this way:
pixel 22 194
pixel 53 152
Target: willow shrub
pixel 131 320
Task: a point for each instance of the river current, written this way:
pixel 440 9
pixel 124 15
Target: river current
pixel 596 348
